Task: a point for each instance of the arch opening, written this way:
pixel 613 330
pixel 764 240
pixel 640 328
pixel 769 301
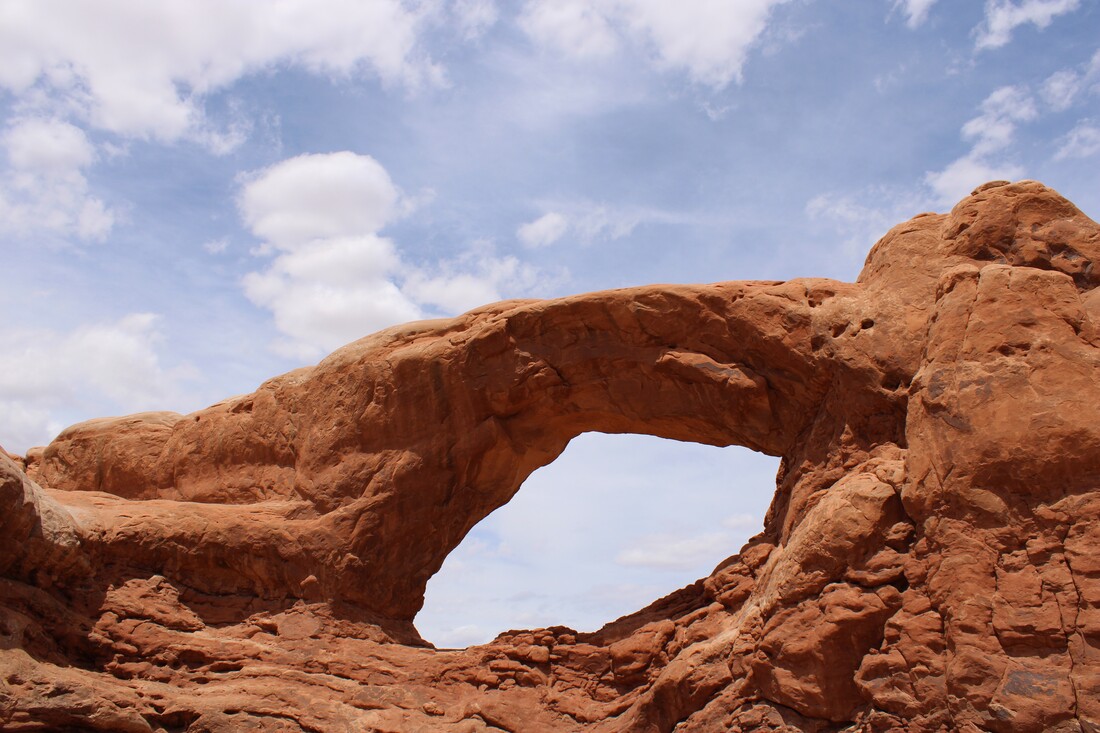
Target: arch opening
pixel 614 523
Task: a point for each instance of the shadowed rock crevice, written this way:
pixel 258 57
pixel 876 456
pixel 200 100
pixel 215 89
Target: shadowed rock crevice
pixel 928 562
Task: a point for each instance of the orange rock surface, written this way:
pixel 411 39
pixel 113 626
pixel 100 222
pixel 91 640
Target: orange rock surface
pixel 930 562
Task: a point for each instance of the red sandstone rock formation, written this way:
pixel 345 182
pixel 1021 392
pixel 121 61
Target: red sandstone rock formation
pixel 931 560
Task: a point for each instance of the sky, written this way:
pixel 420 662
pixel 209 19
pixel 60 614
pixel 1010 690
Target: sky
pixel 197 195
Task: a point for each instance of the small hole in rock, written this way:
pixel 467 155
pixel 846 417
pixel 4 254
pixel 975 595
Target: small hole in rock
pixel 892 380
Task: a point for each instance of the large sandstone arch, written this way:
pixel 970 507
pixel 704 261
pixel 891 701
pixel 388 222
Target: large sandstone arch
pixel 935 521
pixel 397 445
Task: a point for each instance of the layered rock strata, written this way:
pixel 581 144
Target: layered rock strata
pixel 930 562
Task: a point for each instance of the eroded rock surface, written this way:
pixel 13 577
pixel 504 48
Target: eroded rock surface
pixel 930 562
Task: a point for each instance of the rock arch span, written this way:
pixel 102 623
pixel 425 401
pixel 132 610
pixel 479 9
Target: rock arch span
pixel 384 455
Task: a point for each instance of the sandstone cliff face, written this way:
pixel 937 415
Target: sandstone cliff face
pixel 931 560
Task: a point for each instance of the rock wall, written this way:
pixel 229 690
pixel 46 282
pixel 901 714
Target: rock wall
pixel 929 562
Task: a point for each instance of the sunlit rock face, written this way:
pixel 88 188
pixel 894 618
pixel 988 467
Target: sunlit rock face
pixel 929 562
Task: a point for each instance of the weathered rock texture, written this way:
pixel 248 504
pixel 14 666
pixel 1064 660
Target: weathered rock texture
pixel 931 560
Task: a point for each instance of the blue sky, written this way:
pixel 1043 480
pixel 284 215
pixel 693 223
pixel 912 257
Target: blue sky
pixel 198 195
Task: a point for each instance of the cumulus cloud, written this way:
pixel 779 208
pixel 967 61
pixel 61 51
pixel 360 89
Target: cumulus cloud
pixel 142 69
pixel 100 368
pixel 44 187
pixel 707 39
pixel 1002 17
pixel 314 197
pixel 332 280
pixel 991 132
pixel 334 277
pixel 1082 141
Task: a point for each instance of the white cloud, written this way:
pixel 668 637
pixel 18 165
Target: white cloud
pixel 543 231
pixel 473 278
pixel 47 146
pixel 44 188
pixel 861 218
pixel 142 69
pixel 664 551
pixel 474 17
pixel 1060 89
pixel 707 39
pixel 102 368
pixel 916 11
pixel 216 246
pixel 334 277
pixel 332 280
pixel 1082 141
pixel 591 222
pixel 994 128
pixel 1002 17
pixel 462 636
pixel 331 291
pixel 577 28
pixel 1063 88
pixel 313 197
pixel 991 132
pixel 965 174
pixel 600 221
pixel 744 522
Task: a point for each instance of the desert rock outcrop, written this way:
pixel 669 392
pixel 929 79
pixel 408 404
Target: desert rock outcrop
pixel 930 562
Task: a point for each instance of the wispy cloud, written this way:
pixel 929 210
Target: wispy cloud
pixel 664 551
pixel 586 222
pixel 916 11
pixel 474 17
pixel 1064 88
pixel 991 133
pixel 216 246
pixel 543 231
pixel 861 218
pixel 1083 141
pixel 1003 17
